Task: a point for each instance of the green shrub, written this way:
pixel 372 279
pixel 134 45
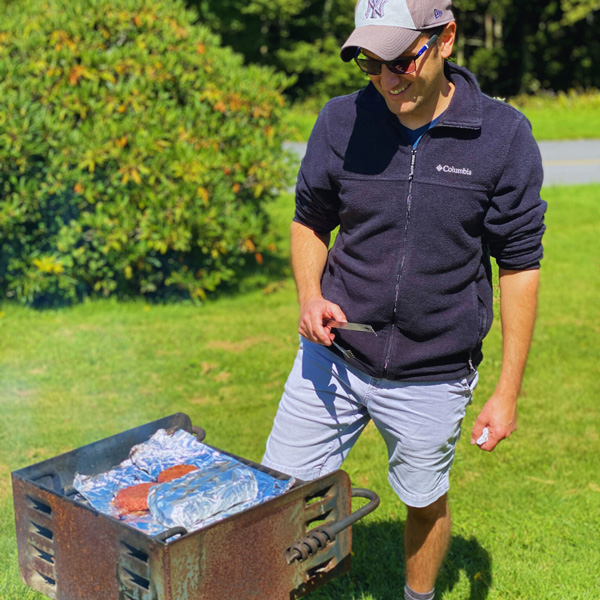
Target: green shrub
pixel 136 154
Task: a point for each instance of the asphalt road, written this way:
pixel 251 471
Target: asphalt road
pixel 564 162
pixel 571 162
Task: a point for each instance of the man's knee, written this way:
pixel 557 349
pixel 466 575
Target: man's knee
pixel 431 513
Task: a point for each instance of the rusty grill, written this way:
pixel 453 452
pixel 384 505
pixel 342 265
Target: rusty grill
pixel 278 550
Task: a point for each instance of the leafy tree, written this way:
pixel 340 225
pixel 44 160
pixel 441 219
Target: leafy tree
pixel 579 10
pixel 136 153
pixel 513 46
pixel 522 46
pixel 299 37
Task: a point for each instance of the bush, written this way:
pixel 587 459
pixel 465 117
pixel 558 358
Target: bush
pixel 136 154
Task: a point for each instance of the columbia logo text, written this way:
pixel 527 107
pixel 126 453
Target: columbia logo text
pixel 449 169
pixel 437 13
pixel 375 9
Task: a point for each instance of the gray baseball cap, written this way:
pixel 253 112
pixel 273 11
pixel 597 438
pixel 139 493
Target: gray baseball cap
pixel 388 27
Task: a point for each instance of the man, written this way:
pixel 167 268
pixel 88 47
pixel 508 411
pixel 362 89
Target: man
pixel 427 179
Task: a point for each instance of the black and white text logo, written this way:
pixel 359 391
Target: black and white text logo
pixel 458 171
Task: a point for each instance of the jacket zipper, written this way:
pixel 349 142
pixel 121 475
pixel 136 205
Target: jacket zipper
pixel 401 268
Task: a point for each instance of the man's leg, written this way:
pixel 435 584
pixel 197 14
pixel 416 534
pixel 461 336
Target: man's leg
pixel 426 539
pixel 421 424
pixel 320 415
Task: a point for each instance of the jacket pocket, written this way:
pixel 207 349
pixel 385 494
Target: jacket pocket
pixel 479 319
pixel 482 319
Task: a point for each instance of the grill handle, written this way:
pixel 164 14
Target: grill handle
pixel 198 432
pixel 319 537
pixel 165 535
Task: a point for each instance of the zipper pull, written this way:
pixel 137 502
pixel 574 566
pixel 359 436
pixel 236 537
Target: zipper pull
pixel 412 164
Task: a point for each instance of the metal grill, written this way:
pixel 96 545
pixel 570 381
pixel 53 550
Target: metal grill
pixel 278 550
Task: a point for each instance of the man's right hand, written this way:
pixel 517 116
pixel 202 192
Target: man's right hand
pixel 314 313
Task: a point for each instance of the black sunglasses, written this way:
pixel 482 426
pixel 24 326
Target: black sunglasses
pixel 399 66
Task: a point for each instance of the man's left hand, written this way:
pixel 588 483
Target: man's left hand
pixel 500 417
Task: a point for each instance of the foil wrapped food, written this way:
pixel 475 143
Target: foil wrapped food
pixel 220 487
pixel 193 499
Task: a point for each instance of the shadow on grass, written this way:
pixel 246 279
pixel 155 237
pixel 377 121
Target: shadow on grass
pixel 378 566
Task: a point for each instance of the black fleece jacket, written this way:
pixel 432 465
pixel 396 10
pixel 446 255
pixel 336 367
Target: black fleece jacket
pixel 417 227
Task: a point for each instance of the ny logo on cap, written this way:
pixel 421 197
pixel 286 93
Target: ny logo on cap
pixel 437 13
pixel 375 9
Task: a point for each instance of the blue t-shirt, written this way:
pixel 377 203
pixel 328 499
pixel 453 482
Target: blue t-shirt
pixel 415 135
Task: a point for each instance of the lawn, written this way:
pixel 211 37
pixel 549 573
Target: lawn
pixel 526 517
pixel 562 116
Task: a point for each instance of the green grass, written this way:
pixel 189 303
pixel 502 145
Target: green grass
pixel 563 116
pixel 526 517
pixel 553 117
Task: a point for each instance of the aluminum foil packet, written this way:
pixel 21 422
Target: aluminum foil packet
pixel 220 487
pixel 191 500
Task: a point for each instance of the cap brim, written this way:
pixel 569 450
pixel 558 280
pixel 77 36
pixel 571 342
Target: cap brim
pixel 384 41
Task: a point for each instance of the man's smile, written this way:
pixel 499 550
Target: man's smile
pixel 399 90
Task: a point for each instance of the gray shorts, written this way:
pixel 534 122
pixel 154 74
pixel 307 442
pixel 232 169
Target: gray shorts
pixel 327 403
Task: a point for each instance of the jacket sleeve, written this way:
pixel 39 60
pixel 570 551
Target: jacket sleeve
pixel 317 201
pixel 514 223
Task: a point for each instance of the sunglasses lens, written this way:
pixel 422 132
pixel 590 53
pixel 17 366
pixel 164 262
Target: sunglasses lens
pixel 371 67
pixel 400 67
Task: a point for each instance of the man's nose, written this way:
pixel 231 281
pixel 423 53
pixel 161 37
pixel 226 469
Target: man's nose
pixel 388 79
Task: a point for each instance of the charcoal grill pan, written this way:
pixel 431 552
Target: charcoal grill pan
pixel 273 551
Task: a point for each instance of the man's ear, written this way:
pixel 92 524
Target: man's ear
pixel 446 39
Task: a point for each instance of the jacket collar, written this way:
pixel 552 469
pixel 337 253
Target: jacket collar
pixel 465 109
pixel 464 112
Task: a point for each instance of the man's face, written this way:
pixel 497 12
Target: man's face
pixel 416 98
